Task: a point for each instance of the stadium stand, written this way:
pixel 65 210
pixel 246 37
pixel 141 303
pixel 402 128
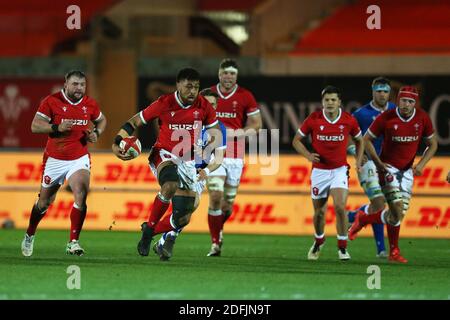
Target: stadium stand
pixel 31 28
pixel 412 26
pixel 235 5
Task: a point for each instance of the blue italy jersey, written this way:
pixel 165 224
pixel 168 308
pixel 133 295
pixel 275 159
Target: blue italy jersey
pixel 365 115
pixel 205 138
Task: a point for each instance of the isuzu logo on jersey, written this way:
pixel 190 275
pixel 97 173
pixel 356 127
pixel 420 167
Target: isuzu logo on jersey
pixel 76 122
pixel 226 114
pixel 405 139
pixel 340 137
pixel 184 126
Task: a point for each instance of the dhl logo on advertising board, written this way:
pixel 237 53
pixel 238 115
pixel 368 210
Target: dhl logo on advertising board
pixel 254 214
pixel 25 170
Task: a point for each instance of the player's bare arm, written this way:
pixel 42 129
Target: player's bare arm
pixel 301 149
pixel 429 152
pixel 100 126
pixel 370 150
pixel 125 131
pixel 253 122
pixel 351 150
pixel 216 137
pixel 359 143
pixel 252 126
pixel 213 165
pixel 41 125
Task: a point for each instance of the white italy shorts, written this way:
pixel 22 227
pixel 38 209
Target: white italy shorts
pixel 368 178
pixel 322 180
pixel 56 171
pixel 186 170
pixel 232 169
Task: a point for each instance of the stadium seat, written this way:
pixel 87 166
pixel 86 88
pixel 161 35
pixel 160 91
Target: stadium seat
pixel 406 27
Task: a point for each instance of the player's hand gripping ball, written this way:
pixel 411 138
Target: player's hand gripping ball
pixel 131 146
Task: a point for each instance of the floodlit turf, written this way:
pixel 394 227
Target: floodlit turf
pixel 251 267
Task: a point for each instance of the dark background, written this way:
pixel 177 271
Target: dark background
pixel 286 101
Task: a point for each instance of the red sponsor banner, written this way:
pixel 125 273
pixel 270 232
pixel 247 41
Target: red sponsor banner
pixel 292 174
pixel 19 100
pixel 253 213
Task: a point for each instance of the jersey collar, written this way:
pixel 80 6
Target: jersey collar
pixel 70 101
pixel 227 96
pixel 180 103
pixel 335 120
pixel 403 119
pixel 378 109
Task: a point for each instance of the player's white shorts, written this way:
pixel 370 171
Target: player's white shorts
pixel 397 185
pixel 56 171
pixel 186 170
pixel 232 169
pixel 368 178
pixel 322 180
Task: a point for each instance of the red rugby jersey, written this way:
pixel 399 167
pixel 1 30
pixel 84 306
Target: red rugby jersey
pixel 401 136
pixel 232 110
pixel 175 118
pixel 329 138
pixel 55 109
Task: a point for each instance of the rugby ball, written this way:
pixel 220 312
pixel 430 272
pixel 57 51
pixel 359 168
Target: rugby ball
pixel 131 146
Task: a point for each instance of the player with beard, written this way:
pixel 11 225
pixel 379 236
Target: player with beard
pixel 402 129
pixel 180 115
pixel 65 116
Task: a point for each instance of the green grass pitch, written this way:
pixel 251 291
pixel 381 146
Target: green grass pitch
pixel 251 267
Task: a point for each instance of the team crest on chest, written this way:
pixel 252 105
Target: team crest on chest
pixel 395 126
pixel 172 113
pixel 84 109
pixel 321 128
pixel 417 127
pixel 234 105
pixel 64 109
pixel 196 113
pixel 341 127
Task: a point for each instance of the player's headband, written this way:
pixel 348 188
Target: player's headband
pixel 230 69
pixel 408 95
pixel 381 87
pixel 408 92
